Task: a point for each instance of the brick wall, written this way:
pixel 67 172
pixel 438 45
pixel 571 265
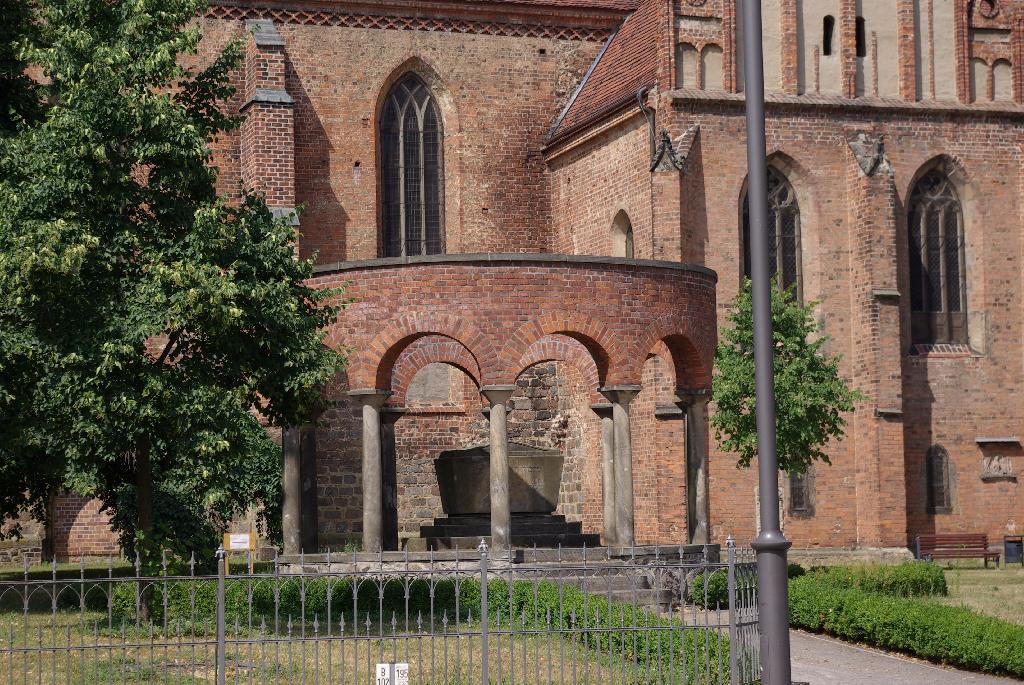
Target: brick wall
pixel 81 529
pixel 498 95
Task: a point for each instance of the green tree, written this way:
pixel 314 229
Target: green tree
pixel 810 395
pixel 19 100
pixel 145 320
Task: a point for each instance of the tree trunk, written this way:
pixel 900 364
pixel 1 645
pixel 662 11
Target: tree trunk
pixel 144 548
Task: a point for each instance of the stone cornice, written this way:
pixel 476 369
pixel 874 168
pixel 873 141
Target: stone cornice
pixel 490 259
pixel 495 17
pixel 779 102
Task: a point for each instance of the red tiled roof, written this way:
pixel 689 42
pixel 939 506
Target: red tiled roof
pixel 614 5
pixel 627 64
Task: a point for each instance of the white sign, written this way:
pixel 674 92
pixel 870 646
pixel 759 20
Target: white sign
pixel 392 674
pixel 238 541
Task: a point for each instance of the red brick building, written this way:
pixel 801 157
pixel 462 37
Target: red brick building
pixel 539 205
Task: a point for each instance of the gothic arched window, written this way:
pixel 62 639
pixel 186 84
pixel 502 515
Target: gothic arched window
pixel 783 233
pixel 935 227
pixel 412 192
pixel 622 235
pixel 937 467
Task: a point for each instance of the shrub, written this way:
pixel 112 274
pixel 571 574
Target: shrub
pixel 945 634
pixel 592 618
pixel 911 579
pixel 711 590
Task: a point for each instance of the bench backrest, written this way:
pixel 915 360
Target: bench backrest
pixel 952 543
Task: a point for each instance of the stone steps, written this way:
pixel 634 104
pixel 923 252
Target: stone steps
pixel 528 530
pixel 469 542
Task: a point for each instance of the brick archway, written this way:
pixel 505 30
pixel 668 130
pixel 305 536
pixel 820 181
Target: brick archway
pixel 432 349
pixel 373 366
pixel 565 349
pixel 592 333
pixel 690 351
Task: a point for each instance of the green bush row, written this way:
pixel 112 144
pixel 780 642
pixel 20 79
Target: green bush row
pixel 711 590
pixel 949 635
pixel 910 579
pixel 591 619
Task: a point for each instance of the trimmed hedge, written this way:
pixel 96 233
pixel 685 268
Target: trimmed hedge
pixel 591 619
pixel 910 579
pixel 950 635
pixel 716 595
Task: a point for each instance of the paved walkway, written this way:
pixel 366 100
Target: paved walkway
pixel 822 661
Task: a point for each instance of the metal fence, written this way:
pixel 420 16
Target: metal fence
pixel 657 618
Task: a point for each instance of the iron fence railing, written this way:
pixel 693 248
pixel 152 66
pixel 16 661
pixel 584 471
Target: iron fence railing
pixel 661 618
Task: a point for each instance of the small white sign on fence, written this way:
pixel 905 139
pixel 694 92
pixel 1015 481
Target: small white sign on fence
pixel 392 674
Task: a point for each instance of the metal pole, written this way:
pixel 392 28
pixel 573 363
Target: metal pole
pixel 485 663
pixel 771 544
pixel 221 661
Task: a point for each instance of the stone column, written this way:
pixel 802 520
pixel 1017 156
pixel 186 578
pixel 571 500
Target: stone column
pixel 698 499
pixel 291 481
pixel 501 517
pixel 389 476
pixel 607 470
pixel 620 396
pixel 373 491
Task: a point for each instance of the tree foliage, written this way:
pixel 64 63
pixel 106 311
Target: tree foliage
pixel 810 395
pixel 145 320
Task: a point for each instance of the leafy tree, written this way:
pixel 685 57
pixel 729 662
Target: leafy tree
pixel 19 100
pixel 145 321
pixel 810 394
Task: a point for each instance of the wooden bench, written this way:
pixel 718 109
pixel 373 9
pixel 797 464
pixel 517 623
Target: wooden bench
pixel 955 546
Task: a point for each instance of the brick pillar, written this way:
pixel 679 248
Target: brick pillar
pixel 963 51
pixel 666 199
pixel 790 44
pixel 1017 45
pixel 268 130
pixel 877 425
pixel 730 80
pixel 848 46
pixel 907 52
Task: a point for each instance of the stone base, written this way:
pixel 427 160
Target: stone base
pixel 528 530
pixel 839 556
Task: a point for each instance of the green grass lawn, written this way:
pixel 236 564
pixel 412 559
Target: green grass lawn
pixel 995 592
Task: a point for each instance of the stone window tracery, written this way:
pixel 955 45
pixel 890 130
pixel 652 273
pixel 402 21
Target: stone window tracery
pixel 412 185
pixel 937 473
pixel 801 488
pixel 935 228
pixel 783 234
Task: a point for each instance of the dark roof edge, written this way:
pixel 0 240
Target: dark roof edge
pixel 594 120
pixel 492 258
pixel 682 97
pixel 547 14
pixel 579 89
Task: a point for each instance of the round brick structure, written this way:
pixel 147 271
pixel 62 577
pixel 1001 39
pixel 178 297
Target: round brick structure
pixel 492 315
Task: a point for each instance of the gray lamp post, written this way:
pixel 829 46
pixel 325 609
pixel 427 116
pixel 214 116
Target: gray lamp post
pixel 771 544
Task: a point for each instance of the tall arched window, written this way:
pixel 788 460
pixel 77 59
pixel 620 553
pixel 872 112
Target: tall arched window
pixel 783 233
pixel 935 227
pixel 937 472
pixel 412 191
pixel 828 28
pixel 622 236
